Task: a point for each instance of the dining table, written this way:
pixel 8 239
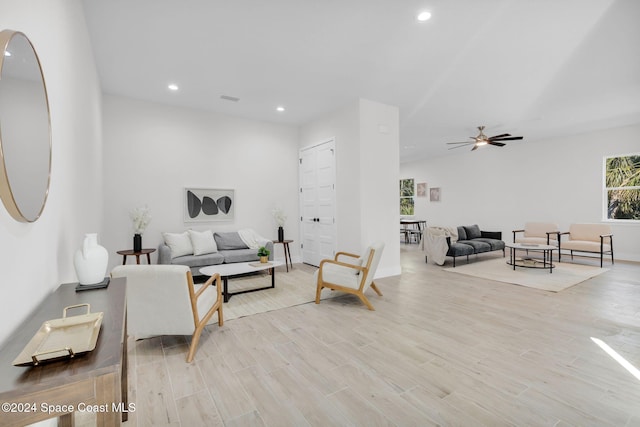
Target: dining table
pixel 411 227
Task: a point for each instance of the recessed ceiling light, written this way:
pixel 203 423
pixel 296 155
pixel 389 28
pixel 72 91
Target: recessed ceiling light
pixel 7 53
pixel 173 87
pixel 424 16
pixel 280 109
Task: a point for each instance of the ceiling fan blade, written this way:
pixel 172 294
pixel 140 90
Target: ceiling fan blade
pixel 512 138
pixel 482 139
pixel 457 146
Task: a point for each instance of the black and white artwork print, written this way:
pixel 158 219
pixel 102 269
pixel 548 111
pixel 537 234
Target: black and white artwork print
pixel 204 204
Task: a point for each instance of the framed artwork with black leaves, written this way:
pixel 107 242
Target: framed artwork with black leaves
pixel 206 204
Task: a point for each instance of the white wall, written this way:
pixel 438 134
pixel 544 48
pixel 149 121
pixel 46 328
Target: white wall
pixel 557 180
pixel 366 176
pixel 153 151
pixel 38 257
pixel 379 175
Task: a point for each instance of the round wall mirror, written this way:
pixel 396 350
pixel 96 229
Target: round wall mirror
pixel 25 129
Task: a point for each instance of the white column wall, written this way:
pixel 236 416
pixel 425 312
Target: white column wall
pixel 38 257
pixel 556 180
pixel 154 151
pixel 379 175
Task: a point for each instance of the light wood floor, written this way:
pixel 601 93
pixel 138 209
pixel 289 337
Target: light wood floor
pixel 440 349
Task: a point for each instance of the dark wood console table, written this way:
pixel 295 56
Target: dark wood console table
pixel 95 381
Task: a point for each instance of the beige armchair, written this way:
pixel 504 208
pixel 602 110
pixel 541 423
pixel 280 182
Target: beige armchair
pixel 590 238
pixel 541 233
pixel 163 300
pixel 354 276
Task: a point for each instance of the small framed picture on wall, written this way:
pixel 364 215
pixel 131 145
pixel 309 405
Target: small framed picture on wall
pixel 421 189
pixel 434 194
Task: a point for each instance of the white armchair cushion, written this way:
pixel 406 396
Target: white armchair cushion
pixel 588 232
pixel 540 229
pixel 180 243
pixel 202 242
pixel 340 275
pixel 158 300
pixel 586 246
pixel 536 240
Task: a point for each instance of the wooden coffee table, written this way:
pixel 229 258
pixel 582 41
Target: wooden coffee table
pixel 527 262
pixel 240 268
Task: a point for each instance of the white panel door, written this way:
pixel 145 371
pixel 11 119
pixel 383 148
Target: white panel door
pixel 317 202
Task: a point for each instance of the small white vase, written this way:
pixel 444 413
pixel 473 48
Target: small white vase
pixel 91 261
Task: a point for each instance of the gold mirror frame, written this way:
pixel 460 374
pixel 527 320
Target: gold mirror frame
pixel 22 202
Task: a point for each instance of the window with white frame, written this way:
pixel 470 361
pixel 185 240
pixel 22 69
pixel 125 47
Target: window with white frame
pixel 406 196
pixel 622 187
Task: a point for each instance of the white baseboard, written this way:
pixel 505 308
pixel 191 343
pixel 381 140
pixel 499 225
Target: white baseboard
pixel 388 272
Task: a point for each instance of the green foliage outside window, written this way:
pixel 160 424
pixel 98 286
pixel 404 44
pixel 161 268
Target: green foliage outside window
pixel 406 196
pixel 622 182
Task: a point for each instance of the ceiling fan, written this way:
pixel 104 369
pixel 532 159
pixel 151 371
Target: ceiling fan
pixel 483 139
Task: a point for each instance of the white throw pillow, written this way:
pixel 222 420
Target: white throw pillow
pixel 180 244
pixel 203 242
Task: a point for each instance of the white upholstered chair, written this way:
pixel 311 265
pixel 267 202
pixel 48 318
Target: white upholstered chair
pixel 350 273
pixel 591 238
pixel 163 300
pixel 541 233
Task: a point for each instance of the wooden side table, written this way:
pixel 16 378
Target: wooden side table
pixel 287 252
pixel 137 254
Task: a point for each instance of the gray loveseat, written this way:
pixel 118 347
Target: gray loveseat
pixel 225 247
pixel 471 240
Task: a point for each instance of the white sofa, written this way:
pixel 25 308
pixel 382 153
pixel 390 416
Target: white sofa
pixel 589 238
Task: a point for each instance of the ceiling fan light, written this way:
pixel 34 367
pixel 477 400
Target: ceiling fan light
pixel 424 16
pixel 481 142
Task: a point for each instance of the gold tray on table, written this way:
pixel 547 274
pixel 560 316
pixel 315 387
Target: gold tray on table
pixel 64 337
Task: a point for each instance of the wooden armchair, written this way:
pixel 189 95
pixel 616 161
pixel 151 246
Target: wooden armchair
pixel 163 300
pixel 353 277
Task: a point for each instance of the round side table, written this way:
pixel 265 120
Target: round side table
pixel 137 254
pixel 287 252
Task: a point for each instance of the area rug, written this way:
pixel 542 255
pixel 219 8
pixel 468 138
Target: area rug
pixel 292 288
pixel 564 274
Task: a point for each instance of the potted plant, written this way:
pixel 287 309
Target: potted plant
pixel 280 218
pixel 263 253
pixel 141 219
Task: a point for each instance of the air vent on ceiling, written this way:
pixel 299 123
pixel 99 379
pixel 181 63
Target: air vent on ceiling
pixel 230 98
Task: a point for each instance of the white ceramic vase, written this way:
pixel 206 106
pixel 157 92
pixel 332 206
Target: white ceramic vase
pixel 91 261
